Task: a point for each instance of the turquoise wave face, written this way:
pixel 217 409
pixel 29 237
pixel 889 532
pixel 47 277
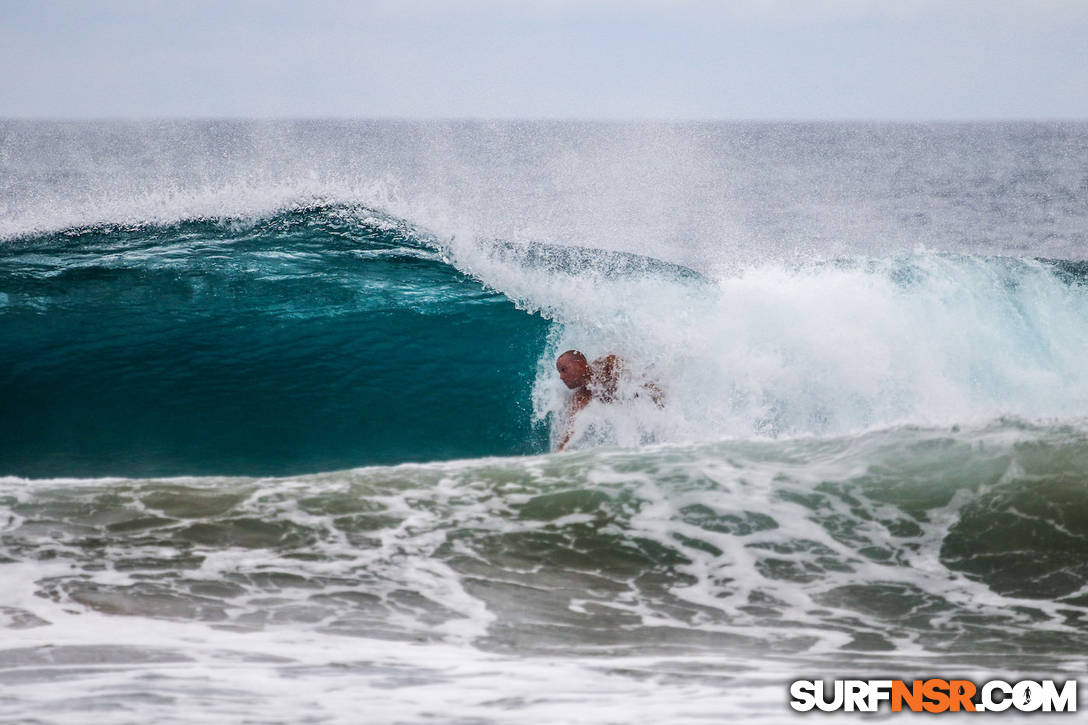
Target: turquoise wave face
pixel 309 341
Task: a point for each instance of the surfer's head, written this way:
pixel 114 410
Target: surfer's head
pixel 573 369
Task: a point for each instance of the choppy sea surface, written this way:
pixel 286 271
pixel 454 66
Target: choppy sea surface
pixel 279 400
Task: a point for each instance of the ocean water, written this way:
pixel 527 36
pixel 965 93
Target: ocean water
pixel 279 400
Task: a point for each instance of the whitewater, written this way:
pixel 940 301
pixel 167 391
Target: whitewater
pixel 280 399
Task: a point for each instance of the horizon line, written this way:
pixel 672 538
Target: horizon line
pixel 551 119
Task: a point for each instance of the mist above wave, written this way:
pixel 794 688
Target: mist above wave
pixel 703 195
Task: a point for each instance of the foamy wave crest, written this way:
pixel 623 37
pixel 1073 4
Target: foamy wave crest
pixel 823 348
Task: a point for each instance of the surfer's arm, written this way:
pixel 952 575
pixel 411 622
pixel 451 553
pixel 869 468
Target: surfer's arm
pixel 580 400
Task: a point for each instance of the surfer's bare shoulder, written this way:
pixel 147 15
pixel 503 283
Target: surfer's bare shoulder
pixel 605 376
pixel 608 370
pixel 608 365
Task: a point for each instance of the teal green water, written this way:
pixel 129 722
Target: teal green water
pixel 303 342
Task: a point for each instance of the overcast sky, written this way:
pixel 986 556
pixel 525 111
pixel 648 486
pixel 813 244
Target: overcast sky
pixel 647 59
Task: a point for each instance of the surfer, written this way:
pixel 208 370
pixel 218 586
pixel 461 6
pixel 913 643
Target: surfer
pixel 593 381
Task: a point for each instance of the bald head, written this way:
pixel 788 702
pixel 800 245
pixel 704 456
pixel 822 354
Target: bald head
pixel 573 369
